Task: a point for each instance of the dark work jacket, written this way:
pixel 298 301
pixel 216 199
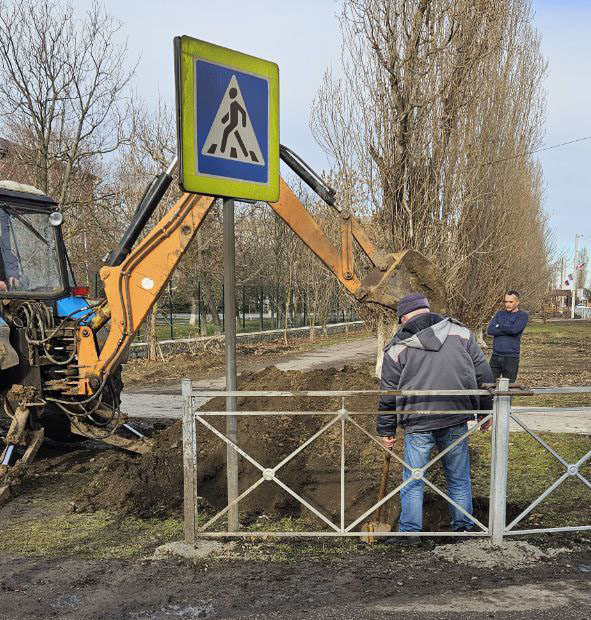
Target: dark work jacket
pixel 431 352
pixel 11 264
pixel 507 327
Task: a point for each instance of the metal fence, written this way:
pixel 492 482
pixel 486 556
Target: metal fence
pixel 583 311
pixel 502 414
pixel 260 307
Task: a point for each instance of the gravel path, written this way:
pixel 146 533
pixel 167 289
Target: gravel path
pixel 165 402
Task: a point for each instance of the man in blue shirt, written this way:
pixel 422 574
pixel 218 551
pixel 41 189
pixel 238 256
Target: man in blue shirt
pixel 507 326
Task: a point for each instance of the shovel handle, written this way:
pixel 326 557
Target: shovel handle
pixel 383 483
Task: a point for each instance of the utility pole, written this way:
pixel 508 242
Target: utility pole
pixel 574 291
pixel 562 272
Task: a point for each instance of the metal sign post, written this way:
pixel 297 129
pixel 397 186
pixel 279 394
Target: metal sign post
pixel 227 106
pixel 230 346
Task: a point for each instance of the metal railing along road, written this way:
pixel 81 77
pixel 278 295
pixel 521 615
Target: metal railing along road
pixel 502 414
pixel 583 311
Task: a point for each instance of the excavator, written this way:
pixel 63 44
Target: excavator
pixel 61 352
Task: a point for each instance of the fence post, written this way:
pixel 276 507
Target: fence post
pixel 189 463
pixel 500 456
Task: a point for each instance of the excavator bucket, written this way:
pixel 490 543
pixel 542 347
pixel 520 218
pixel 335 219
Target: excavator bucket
pixel 403 273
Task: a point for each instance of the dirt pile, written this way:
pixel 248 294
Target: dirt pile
pixel 482 554
pixel 152 485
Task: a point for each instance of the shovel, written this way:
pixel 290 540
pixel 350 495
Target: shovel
pixel 377 526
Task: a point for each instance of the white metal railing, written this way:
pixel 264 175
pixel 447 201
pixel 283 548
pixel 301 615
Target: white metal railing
pixel 583 311
pixel 502 414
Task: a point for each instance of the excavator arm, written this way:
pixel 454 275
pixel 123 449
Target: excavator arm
pixel 135 278
pixel 392 275
pixel 132 288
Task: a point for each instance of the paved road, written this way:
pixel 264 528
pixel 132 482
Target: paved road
pixel 165 402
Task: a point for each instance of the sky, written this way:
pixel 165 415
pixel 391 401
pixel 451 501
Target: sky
pixel 303 38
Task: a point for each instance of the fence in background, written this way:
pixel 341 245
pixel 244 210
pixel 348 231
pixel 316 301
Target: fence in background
pixel 259 307
pixel 502 414
pixel 583 312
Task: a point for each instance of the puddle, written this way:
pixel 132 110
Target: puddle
pixel 192 611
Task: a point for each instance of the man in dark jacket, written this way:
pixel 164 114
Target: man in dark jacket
pixel 9 263
pixel 432 352
pixel 507 326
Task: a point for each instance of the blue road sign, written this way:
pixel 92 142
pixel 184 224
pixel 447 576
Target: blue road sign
pixel 247 127
pixel 228 121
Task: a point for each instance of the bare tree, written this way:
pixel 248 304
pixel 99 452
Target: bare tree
pixel 438 105
pixel 63 89
pixel 153 146
pixel 582 263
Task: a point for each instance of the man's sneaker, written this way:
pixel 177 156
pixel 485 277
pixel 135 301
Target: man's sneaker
pixel 454 540
pixel 403 541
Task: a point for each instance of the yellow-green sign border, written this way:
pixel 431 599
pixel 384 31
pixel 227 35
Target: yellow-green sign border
pixel 187 50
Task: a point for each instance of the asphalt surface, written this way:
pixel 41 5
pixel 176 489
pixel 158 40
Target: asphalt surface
pixel 165 402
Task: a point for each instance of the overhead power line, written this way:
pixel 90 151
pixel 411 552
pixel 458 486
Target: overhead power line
pixel 545 148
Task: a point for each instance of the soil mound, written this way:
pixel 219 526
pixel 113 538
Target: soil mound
pixel 482 554
pixel 152 485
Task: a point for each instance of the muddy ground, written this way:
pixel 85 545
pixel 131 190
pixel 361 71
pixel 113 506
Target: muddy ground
pixel 354 584
pixel 151 486
pixel 75 543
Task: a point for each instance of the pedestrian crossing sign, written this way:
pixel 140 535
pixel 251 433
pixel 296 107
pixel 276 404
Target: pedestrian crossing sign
pixel 227 121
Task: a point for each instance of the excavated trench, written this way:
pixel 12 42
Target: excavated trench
pixel 152 485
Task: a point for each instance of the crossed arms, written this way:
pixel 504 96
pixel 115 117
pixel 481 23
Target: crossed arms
pixel 500 325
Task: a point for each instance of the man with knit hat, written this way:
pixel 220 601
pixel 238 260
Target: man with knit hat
pixel 431 352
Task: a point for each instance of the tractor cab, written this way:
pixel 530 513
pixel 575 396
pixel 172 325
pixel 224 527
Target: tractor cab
pixel 32 254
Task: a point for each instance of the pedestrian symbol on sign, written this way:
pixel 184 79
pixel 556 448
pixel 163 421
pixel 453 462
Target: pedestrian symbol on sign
pixel 232 135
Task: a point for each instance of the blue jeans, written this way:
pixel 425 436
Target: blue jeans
pixel 456 464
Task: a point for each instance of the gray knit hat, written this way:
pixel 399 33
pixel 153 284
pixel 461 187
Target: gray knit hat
pixel 410 303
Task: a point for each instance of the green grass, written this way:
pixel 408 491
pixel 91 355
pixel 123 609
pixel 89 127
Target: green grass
pixel 94 535
pixel 565 329
pixel 532 469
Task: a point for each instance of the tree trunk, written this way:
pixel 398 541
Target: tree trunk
pixel 478 334
pixel 194 309
pixel 151 338
pixel 210 302
pixel 206 289
pixel 203 321
pixel 383 334
pixel 286 321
